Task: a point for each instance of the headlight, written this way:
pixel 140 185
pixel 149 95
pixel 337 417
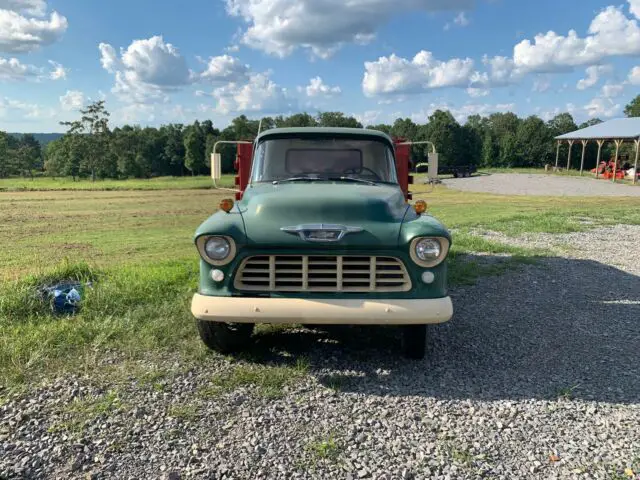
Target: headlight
pixel 216 249
pixel 429 251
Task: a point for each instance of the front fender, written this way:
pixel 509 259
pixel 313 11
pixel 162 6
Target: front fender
pixel 415 225
pixel 223 223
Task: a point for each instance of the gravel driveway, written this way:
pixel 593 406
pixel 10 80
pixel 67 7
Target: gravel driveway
pixel 536 377
pixel 540 184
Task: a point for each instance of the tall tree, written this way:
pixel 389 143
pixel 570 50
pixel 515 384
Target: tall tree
pixel 194 144
pixel 633 108
pixel 337 119
pixel 92 131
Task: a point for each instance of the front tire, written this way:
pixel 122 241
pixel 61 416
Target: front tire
pixel 225 337
pixel 414 341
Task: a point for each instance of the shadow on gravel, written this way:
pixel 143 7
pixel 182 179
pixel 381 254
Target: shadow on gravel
pixel 562 328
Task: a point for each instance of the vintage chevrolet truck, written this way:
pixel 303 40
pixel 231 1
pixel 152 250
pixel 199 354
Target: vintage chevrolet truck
pixel 321 231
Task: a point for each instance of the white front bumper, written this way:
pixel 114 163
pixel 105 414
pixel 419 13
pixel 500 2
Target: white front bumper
pixel 294 310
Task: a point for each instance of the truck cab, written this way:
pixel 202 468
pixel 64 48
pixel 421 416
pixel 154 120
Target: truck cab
pixel 321 231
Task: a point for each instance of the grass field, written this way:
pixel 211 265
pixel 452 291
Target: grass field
pixel 67 183
pixel 135 244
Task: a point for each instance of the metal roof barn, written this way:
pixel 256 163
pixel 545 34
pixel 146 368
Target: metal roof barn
pixel 618 131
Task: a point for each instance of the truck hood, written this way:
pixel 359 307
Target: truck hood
pixel 377 210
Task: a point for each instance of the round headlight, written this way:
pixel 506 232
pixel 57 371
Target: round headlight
pixel 217 248
pixel 428 249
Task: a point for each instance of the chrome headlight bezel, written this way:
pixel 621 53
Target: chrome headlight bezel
pixel 201 244
pixel 444 251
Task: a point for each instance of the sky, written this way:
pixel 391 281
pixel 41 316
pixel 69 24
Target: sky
pixel 157 62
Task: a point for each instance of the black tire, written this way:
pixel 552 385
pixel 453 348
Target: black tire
pixel 225 337
pixel 414 341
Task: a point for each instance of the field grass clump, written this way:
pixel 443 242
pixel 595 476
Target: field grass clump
pixel 130 310
pixel 265 381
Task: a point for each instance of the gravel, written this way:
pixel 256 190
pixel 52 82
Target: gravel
pixel 541 185
pixel 536 377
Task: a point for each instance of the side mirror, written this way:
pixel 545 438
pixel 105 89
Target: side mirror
pixel 216 166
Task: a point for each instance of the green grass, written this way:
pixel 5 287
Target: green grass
pixel 82 411
pixel 67 183
pixel 136 247
pixel 324 449
pixel 264 381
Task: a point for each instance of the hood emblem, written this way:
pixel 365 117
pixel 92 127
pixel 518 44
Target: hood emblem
pixel 321 232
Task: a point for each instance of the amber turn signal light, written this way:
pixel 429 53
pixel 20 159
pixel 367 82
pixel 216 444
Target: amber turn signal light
pixel 226 205
pixel 420 207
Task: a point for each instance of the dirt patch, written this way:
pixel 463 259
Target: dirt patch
pixel 542 185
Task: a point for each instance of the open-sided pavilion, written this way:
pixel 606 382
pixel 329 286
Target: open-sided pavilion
pixel 618 131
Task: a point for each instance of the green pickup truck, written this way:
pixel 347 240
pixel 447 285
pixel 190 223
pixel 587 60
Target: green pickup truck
pixel 321 231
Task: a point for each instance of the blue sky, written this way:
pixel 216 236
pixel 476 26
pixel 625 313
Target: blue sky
pixel 159 62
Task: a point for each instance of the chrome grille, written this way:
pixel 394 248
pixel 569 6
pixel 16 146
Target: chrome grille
pixel 322 273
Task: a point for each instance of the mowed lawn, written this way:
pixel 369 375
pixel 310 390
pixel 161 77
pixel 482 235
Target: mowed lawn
pixel 136 247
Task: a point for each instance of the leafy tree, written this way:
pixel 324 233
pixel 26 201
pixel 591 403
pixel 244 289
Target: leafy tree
pixel 91 131
pixel 508 146
pixel 633 108
pixel 5 153
pixel 444 131
pixel 337 119
pixel 561 124
pixel 490 150
pixel 533 143
pixel 296 120
pixel 194 144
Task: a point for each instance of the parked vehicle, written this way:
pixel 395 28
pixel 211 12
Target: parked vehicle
pixel 321 232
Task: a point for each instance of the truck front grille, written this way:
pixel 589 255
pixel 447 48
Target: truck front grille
pixel 322 273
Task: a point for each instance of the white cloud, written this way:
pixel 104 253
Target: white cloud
pixel 317 88
pixel 260 94
pixel 108 57
pixel 30 7
pixel 541 85
pixel 146 70
pixel 17 110
pixel 393 74
pixel 19 33
pixel 634 7
pixel 278 27
pixel 13 69
pixel 610 34
pixel 72 100
pixel 593 75
pixel 155 62
pixel 612 90
pixel 225 68
pixel 478 92
pixel 370 117
pixel 461 20
pixel 602 107
pixel 634 75
pixel 58 72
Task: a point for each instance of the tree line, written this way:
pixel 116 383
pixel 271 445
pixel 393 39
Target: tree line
pixel 91 149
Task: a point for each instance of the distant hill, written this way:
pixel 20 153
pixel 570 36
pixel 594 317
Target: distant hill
pixel 43 138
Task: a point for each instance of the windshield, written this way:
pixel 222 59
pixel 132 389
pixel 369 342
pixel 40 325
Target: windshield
pixel 324 159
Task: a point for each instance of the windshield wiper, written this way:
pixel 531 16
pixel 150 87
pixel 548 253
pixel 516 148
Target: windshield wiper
pixel 353 179
pixel 296 179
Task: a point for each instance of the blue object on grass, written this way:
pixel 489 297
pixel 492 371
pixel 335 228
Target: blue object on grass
pixel 66 297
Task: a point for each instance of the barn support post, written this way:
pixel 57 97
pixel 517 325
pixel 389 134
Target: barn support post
pixel 600 143
pixel 635 168
pixel 615 163
pixel 558 154
pixel 569 156
pixel 584 146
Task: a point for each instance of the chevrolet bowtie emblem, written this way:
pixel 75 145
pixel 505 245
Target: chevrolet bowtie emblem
pixel 321 232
